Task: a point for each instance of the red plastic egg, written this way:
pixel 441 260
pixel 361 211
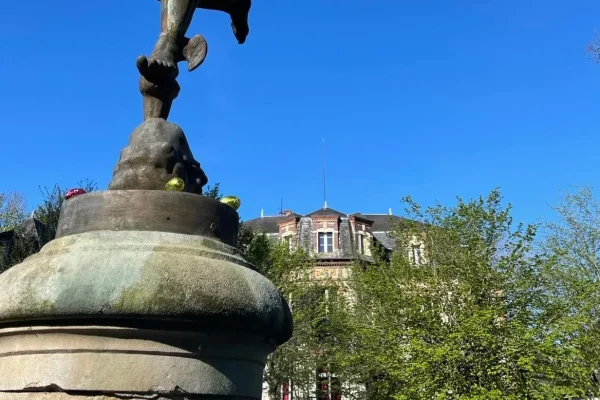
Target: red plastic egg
pixel 73 192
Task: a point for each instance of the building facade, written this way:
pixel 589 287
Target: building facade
pixel 333 238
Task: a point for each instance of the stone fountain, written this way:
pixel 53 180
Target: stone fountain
pixel 143 294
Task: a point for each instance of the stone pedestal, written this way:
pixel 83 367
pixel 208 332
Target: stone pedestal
pixel 157 152
pixel 143 295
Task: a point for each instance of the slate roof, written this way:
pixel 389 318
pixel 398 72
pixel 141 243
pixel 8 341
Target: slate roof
pixel 326 212
pixel 382 222
pixel 271 224
pixel 358 215
pixel 386 241
pixel 268 224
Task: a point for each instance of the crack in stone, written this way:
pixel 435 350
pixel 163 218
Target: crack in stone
pixel 36 387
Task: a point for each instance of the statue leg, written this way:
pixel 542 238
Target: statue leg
pixel 176 17
pixel 237 9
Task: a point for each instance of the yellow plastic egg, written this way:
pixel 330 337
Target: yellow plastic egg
pixel 232 201
pixel 175 185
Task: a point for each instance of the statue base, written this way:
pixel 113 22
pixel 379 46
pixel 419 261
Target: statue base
pixel 157 151
pixel 141 294
pixel 117 360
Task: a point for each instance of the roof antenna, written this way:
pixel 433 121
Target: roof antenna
pixel 280 212
pixel 324 178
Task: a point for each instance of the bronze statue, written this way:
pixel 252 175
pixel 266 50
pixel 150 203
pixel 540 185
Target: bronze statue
pixel 158 152
pixel 159 72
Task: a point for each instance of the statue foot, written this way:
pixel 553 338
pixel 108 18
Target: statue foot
pixel 194 52
pixel 239 19
pixel 156 70
pixel 162 64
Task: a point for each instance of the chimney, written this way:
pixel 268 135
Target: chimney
pixel 390 211
pixel 287 212
pixel 262 213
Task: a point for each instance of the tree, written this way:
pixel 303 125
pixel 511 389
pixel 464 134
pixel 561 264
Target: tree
pixel 474 319
pixel 213 192
pixel 572 243
pixel 593 49
pixel 12 211
pixel 49 211
pixel 292 367
pixel 12 215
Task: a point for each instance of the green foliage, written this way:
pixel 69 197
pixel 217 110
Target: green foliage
pixel 12 215
pixel 21 248
pixel 296 361
pixel 489 313
pixel 478 319
pixel 12 211
pixel 257 248
pixel 49 211
pixel 572 248
pixel 213 192
pixel 574 239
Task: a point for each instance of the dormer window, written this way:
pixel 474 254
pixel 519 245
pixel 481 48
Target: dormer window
pixel 325 242
pixel 361 244
pixel 287 239
pixel 417 255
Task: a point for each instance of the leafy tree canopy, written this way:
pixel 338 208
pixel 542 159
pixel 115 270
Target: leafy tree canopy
pixel 482 316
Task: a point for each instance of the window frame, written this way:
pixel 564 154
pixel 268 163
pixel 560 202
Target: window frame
pixel 417 254
pixel 289 238
pixel 328 237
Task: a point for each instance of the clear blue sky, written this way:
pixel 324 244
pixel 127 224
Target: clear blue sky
pixel 435 99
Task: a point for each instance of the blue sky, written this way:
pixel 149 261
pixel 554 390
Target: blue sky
pixel 433 99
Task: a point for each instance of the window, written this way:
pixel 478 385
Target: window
pixel 288 240
pixel 361 243
pixel 325 242
pixel 416 254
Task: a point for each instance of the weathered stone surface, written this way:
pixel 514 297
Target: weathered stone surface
pixel 157 152
pixel 112 396
pixel 69 396
pixel 157 278
pixel 124 305
pixel 149 210
pixel 305 234
pixel 105 359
